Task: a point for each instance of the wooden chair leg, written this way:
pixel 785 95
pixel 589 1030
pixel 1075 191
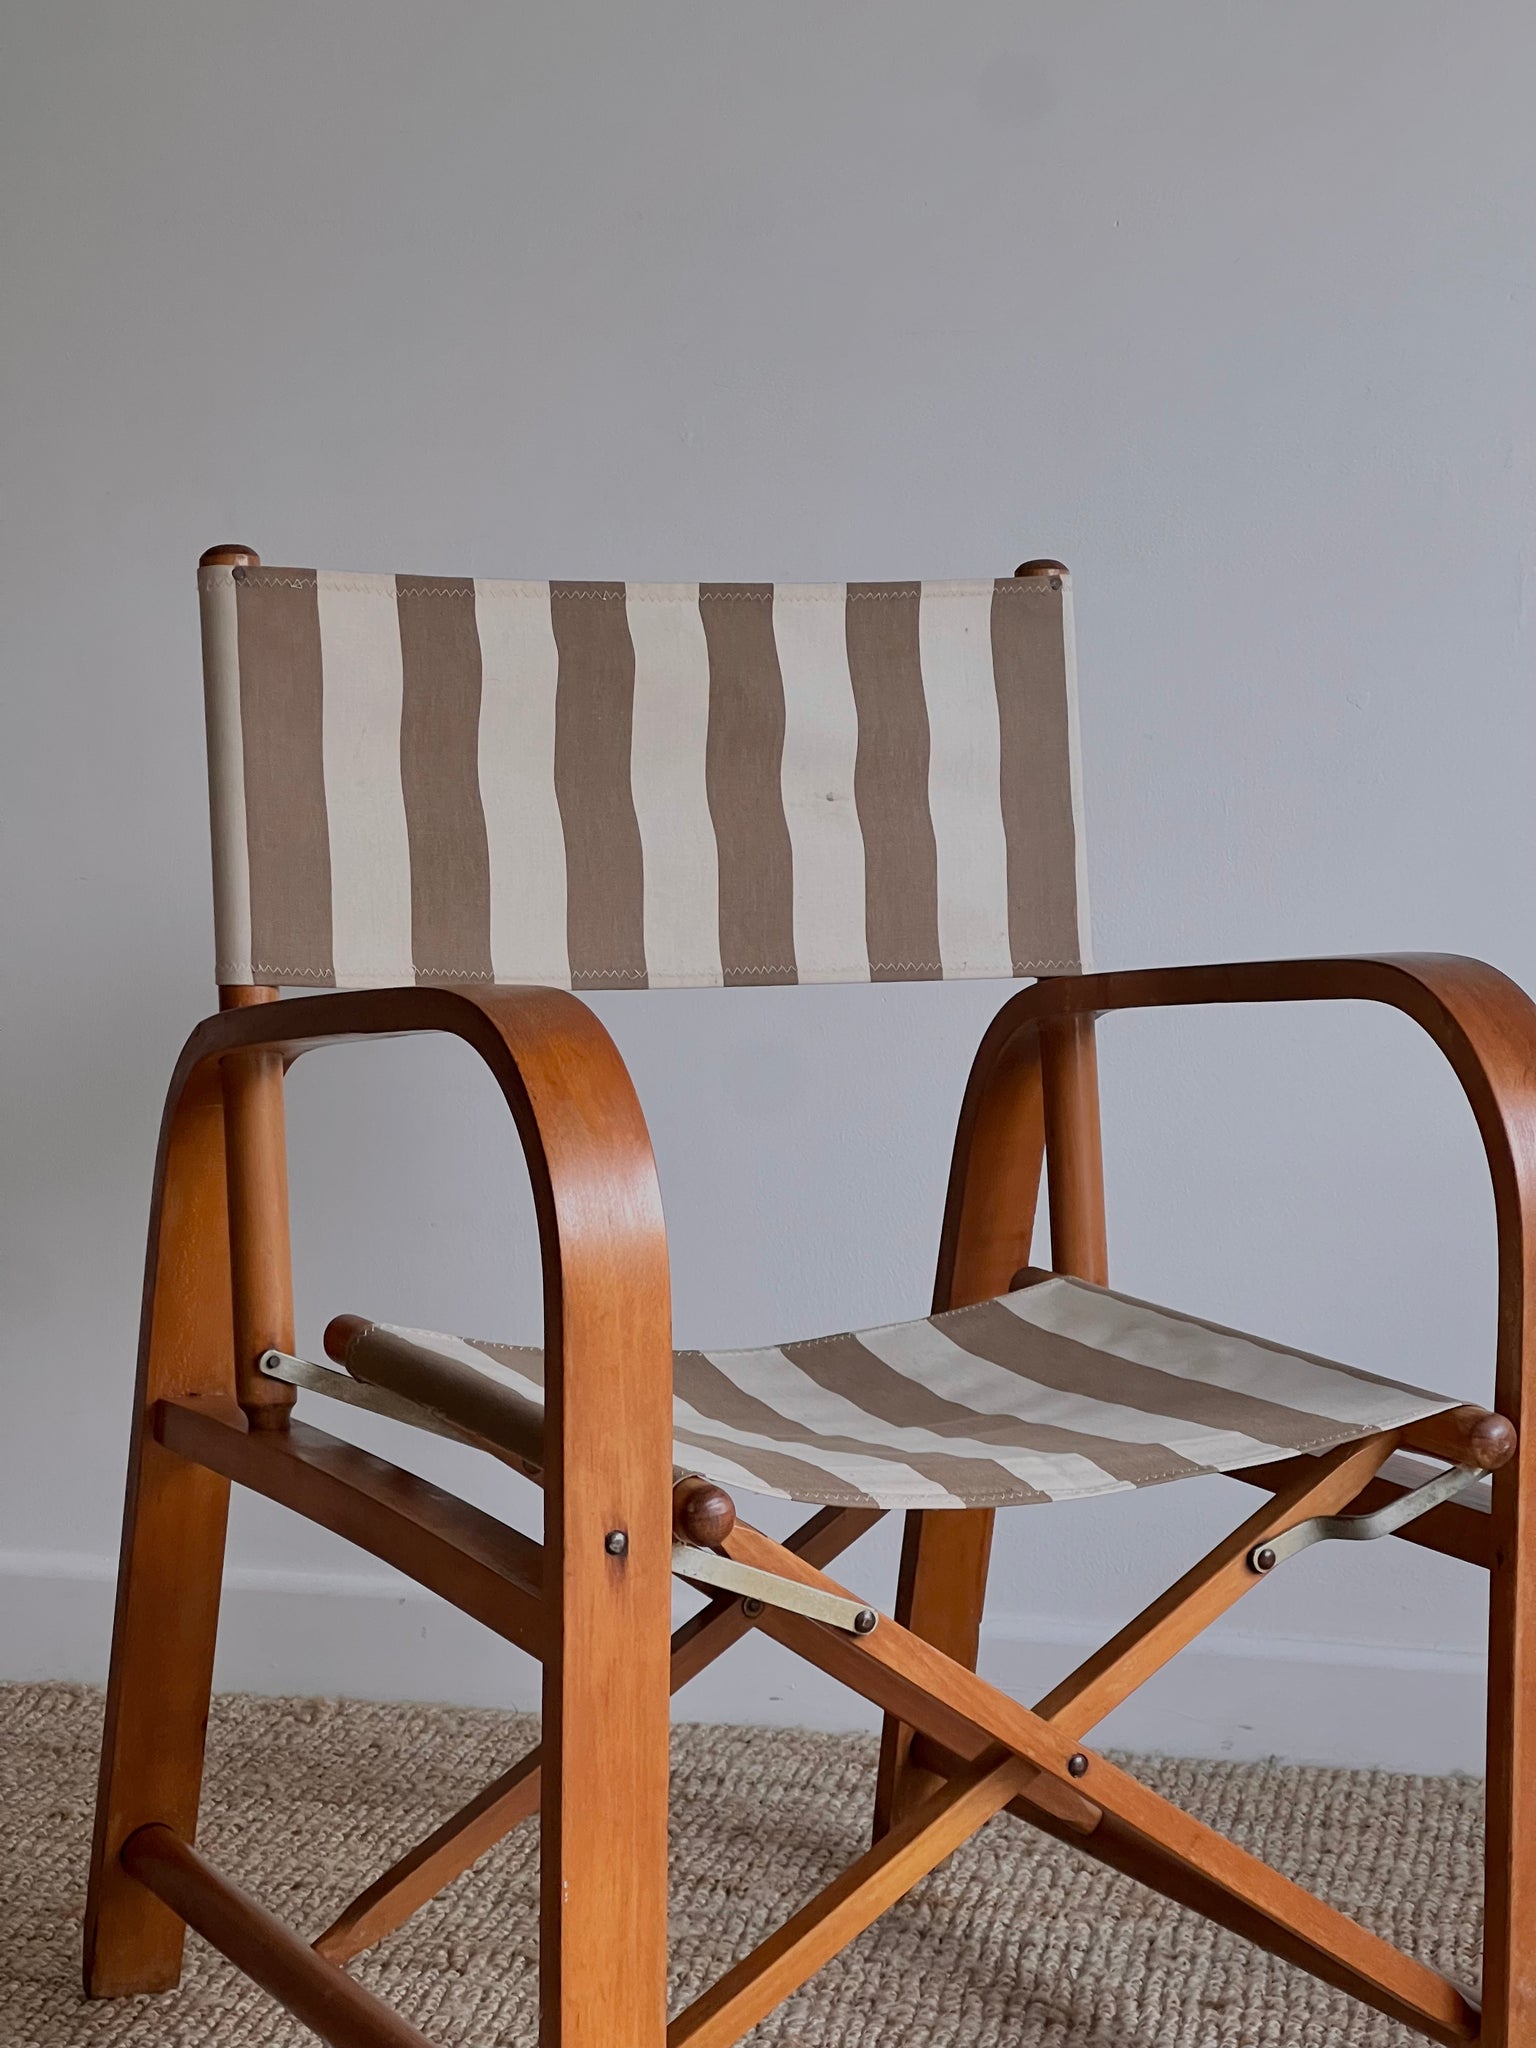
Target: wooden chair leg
pixel 607 1661
pixel 989 1225
pixel 603 1845
pixel 939 1596
pixel 172 1561
pixel 1509 1925
pixel 1038 1099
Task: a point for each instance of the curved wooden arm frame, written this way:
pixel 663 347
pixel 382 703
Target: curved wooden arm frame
pixel 601 1620
pixel 1033 1093
pixel 955 1750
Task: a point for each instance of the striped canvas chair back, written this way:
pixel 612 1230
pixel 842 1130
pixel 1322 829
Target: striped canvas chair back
pixel 609 785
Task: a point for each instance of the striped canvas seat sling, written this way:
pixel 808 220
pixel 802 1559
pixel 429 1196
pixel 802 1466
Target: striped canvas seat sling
pixel 607 785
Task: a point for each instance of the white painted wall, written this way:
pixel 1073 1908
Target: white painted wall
pixel 1232 307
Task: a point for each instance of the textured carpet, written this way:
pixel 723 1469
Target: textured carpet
pixel 1015 1943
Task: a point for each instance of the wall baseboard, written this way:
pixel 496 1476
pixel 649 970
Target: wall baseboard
pixel 1235 1694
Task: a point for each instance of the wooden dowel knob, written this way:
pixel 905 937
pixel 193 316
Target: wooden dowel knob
pixel 340 1332
pixel 702 1512
pixel 1473 1436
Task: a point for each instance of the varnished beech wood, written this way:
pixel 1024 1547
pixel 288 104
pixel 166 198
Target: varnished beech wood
pixel 592 1195
pixel 1217 1582
pixel 1468 1435
pixel 1277 1913
pixel 608 1466
pixel 479 1825
pixel 261 1264
pixel 478 1564
pixel 1325 1486
pixel 1043 1802
pixel 1485 1027
pixel 1150 1641
pixel 172 1554
pixel 422 1872
pixel 1074 1160
pixel 940 1591
pixel 339 1335
pixel 989 1225
pixel 1044 1096
pixel 314 1991
pixel 751 1989
pixel 218 1291
pixel 504 1421
pixel 994 1194
pixel 1149 1862
pixel 702 1512
pixel 229 553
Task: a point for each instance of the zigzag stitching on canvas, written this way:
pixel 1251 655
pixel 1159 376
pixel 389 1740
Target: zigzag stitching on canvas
pixel 232 973
pixel 377 586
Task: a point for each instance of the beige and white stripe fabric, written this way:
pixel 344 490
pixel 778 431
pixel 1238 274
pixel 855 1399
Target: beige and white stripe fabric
pixel 1056 1392
pixel 609 785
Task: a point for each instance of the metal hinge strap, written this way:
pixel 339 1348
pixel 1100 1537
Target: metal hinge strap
pixel 704 1567
pixel 340 1386
pixel 1365 1528
pixel 766 1589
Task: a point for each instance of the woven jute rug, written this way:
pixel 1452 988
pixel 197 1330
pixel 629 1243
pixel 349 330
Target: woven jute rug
pixel 1015 1943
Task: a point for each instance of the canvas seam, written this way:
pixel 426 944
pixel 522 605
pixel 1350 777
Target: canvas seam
pixel 230 968
pixel 374 586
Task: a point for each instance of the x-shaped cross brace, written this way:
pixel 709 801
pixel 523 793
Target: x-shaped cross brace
pixel 994 1754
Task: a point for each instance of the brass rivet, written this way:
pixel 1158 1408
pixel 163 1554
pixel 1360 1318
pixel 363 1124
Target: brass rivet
pixel 616 1543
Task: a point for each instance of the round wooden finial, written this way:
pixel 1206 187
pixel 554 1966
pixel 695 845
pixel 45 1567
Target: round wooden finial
pixel 1055 573
pixel 702 1512
pixel 1491 1442
pixel 341 1333
pixel 229 554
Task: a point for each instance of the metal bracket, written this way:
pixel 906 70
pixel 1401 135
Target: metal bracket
pixel 707 1567
pixel 766 1589
pixel 340 1386
pixel 1365 1528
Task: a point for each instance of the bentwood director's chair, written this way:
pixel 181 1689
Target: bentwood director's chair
pixel 456 803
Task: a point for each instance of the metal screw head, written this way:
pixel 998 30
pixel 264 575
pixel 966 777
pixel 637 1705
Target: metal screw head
pixel 1077 1766
pixel 864 1621
pixel 752 1608
pixel 1263 1559
pixel 1054 582
pixel 616 1543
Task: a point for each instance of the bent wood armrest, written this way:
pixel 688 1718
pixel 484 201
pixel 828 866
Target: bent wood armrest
pixel 607 1466
pixel 607 1460
pixel 570 1095
pixel 588 1151
pixel 607 1306
pixel 1483 1023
